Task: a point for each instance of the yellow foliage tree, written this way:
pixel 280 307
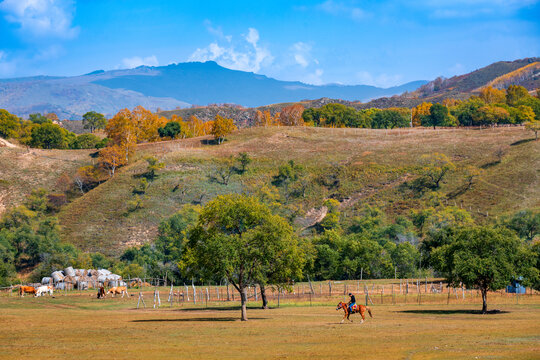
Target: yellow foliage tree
pixel 147 124
pixel 266 119
pixel 534 126
pixel 222 127
pixel 450 102
pixel 197 127
pixel 419 111
pixel 490 95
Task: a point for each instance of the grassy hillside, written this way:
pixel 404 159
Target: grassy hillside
pixel 371 165
pixel 22 170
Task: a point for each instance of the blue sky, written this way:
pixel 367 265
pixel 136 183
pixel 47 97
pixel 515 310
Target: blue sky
pixel 381 43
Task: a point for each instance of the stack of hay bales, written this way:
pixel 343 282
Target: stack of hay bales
pixel 58 276
pixel 83 279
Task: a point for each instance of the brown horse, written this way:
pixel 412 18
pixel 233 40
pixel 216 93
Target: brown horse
pixel 356 309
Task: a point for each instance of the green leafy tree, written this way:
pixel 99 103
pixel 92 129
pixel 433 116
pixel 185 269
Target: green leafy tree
pixel 515 94
pixel 244 160
pixel 405 257
pixel 485 258
pixel 93 120
pixel 85 141
pixel 288 174
pixel 172 129
pixel 534 126
pixel 39 119
pixel 49 136
pixel 153 166
pixel 173 232
pixel 438 116
pixel 389 119
pixel 239 239
pixel 526 223
pixel 9 124
pixel 434 169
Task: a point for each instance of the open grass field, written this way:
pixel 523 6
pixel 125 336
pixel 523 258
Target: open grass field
pixel 83 327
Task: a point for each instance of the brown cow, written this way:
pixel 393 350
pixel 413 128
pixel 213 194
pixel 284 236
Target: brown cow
pixel 26 289
pixel 117 290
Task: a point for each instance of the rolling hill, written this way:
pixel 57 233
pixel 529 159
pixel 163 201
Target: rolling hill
pixel 167 87
pixel 372 167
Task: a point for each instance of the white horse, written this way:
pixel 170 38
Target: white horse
pixel 44 289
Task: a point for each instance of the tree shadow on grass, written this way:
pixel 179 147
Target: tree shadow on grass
pixel 519 142
pixel 209 142
pixel 202 319
pixel 451 312
pixel 220 308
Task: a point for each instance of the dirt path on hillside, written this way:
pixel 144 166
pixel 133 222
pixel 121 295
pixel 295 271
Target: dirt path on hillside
pixel 5 143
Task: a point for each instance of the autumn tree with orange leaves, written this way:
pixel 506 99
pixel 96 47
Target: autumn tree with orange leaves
pixel 111 158
pixel 292 115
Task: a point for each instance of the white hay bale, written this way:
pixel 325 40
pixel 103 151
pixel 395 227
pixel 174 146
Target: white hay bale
pixel 69 271
pixel 104 272
pixel 57 276
pixel 46 280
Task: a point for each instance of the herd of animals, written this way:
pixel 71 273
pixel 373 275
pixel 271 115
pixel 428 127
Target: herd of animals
pixel 49 289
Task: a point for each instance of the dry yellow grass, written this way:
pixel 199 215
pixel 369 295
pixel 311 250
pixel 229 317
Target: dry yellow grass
pixel 82 327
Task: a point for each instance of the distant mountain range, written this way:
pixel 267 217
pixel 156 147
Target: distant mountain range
pixel 168 87
pixel 501 74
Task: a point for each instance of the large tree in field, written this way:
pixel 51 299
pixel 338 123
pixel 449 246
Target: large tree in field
pixel 438 116
pixel 239 239
pixel 485 258
pixel 93 120
pixel 222 127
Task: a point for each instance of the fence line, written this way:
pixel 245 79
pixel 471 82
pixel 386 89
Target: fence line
pixel 373 292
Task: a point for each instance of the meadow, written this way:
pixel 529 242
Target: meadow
pixel 82 327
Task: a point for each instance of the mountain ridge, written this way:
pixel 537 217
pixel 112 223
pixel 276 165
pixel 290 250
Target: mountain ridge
pixel 167 87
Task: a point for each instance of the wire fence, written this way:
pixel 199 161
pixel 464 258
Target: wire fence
pixel 158 292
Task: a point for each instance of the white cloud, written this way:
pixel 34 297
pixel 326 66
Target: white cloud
pixel 216 31
pixel 250 57
pixel 252 37
pixel 136 61
pixel 42 18
pixel 302 54
pixel 337 8
pixel 314 78
pixel 381 80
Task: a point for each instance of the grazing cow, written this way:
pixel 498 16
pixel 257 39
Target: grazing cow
pixel 101 292
pixel 26 289
pixel 44 289
pixel 117 290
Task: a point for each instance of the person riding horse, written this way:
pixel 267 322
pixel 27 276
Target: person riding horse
pixel 352 302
